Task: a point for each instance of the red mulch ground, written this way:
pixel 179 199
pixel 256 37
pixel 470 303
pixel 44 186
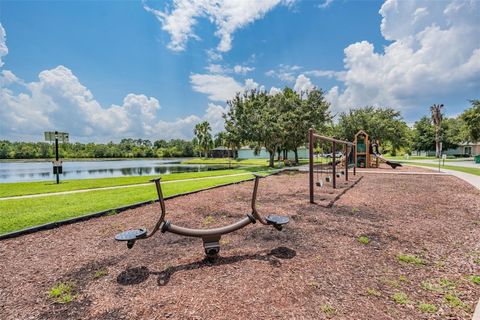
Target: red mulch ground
pixel 314 269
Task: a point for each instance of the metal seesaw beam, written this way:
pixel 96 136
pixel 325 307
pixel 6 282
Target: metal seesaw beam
pixel 211 237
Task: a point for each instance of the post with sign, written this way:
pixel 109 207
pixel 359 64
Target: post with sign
pixel 57 164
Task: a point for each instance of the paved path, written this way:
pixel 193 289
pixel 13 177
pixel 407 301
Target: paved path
pixel 306 168
pixel 405 172
pixel 476 314
pixel 116 187
pixel 470 178
pixel 469 164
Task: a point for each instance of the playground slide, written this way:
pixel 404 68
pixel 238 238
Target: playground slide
pixel 377 154
pixel 394 165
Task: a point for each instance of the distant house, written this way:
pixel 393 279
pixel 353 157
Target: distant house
pixel 464 149
pixel 222 152
pixel 248 153
pixel 470 149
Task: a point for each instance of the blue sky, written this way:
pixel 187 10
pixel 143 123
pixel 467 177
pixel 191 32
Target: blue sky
pixel 104 70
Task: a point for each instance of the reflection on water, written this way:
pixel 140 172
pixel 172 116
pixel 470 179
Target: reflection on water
pixel 37 171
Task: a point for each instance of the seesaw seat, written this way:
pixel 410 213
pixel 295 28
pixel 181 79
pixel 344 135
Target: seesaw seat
pixel 130 235
pixel 277 221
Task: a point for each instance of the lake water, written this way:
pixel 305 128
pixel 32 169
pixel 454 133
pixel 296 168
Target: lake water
pixel 38 171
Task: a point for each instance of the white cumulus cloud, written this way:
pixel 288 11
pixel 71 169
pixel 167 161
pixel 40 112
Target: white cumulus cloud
pixel 434 54
pixel 250 85
pixel 213 55
pixel 303 84
pixel 227 15
pixel 274 90
pixel 183 127
pixel 3 44
pixel 221 69
pixel 220 87
pixel 284 72
pixel 59 101
pixel 242 69
pixel 217 87
pixel 216 68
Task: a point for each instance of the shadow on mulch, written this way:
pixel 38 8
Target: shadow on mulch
pixel 133 276
pixel 327 198
pixel 360 213
pixel 60 311
pixel 77 310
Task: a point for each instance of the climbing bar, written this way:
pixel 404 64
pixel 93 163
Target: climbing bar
pixel 332 139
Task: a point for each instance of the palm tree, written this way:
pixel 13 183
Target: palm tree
pixel 220 139
pixel 436 110
pixel 202 132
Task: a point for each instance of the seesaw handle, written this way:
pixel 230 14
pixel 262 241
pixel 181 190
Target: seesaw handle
pixel 161 220
pixel 255 213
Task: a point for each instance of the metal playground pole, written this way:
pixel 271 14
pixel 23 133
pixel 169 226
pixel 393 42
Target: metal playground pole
pixel 310 157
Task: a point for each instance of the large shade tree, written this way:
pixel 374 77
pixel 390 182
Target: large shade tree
pixel 471 118
pixel 252 120
pixel 301 112
pixel 278 122
pixel 384 124
pixel 424 138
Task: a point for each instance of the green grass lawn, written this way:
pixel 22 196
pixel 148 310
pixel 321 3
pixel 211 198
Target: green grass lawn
pixel 474 171
pixel 23 213
pixel 457 159
pixel 26 188
pixel 450 159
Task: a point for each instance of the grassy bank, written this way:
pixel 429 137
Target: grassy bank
pixel 473 171
pixel 22 213
pixel 26 188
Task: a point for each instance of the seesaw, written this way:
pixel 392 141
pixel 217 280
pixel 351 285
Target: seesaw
pixel 211 237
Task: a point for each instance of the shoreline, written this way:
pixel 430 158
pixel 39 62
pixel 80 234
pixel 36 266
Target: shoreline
pixel 88 159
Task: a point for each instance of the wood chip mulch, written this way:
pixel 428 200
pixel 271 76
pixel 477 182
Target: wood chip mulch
pixel 316 268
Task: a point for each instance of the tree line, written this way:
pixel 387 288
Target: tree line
pixel 127 148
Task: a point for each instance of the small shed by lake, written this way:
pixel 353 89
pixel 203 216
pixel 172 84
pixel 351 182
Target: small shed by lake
pixel 222 152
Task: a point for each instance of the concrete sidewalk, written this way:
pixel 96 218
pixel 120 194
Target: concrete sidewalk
pixel 463 163
pixel 470 178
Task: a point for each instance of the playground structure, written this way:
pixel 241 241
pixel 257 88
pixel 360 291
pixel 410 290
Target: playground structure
pixel 366 153
pixel 210 237
pixel 346 159
pixel 363 158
